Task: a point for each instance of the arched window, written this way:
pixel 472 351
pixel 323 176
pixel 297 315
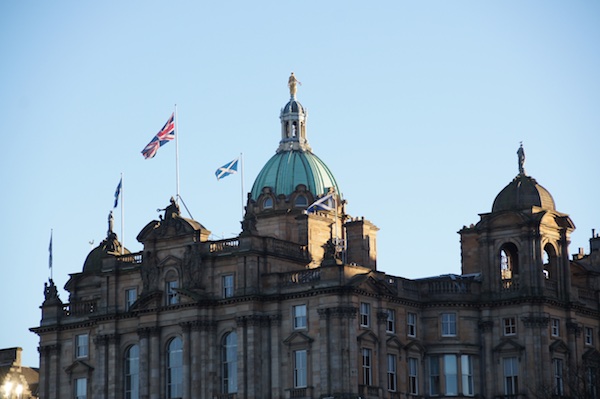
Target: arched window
pixel 132 372
pixel 301 201
pixel 509 264
pixel 175 369
pixel 268 203
pixel 550 262
pixel 229 363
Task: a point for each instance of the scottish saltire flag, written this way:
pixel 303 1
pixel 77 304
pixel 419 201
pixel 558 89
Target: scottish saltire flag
pixel 227 169
pixel 117 193
pixel 166 134
pixel 322 204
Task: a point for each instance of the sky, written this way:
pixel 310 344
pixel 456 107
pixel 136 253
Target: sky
pixel 418 109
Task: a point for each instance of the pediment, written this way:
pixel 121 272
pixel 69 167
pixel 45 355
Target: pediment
pixel 170 260
pixel 394 342
pixel 171 225
pixel 369 283
pixel 78 367
pixel 591 355
pixel 414 346
pixel 508 345
pixel 298 338
pixel 559 346
pixel 367 336
pixel 147 301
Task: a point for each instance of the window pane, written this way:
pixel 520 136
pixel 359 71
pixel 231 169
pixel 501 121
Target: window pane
pixel 132 379
pixel 175 368
pixel 466 366
pixel 451 374
pixel 300 371
pixel 229 365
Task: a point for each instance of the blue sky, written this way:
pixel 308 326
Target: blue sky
pixel 418 108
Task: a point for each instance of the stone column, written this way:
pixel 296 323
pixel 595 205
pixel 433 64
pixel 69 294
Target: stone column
pixel 187 377
pixel 99 385
pixel 244 343
pixel 143 334
pixel 113 371
pixel 196 349
pixel 275 358
pixel 155 355
pixel 325 351
pixel 487 378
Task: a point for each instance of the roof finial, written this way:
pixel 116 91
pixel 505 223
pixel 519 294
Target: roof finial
pixel 292 81
pixel 521 155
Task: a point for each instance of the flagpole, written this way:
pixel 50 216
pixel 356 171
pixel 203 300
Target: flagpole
pixel 122 216
pixel 176 155
pixel 50 255
pixel 242 180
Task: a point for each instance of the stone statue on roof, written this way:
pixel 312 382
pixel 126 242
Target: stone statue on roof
pixel 292 82
pixel 111 222
pixel 521 155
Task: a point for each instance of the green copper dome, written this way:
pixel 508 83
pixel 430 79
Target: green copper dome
pixel 287 169
pixel 294 163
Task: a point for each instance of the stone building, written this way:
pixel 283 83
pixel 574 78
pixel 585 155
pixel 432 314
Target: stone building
pixel 16 380
pixel 295 306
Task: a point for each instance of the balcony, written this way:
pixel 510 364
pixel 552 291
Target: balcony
pixel 299 393
pixel 80 308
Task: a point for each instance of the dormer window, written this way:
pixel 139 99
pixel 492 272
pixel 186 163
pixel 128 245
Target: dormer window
pixel 301 201
pixel 268 203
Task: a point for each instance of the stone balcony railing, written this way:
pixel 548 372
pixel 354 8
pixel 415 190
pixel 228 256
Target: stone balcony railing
pixel 80 308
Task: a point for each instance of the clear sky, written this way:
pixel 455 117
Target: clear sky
pixel 417 107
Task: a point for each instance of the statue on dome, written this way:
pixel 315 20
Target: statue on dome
pixel 521 155
pixel 292 82
pixel 111 222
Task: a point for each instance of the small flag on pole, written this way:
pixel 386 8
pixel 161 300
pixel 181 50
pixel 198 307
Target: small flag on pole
pixel 166 134
pixel 321 204
pixel 117 193
pixel 227 169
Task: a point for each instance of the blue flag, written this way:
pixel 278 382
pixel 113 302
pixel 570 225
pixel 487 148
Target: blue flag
pixel 227 169
pixel 117 193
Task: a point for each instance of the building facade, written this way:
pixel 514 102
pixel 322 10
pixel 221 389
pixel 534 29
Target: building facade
pixel 295 306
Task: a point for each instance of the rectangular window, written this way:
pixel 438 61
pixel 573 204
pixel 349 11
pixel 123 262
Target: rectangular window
pixel 367 363
pixel 555 327
pixel 589 336
pixel 413 376
pixel 591 381
pixel 448 324
pixel 130 297
pixel 300 372
pixel 365 314
pixel 411 324
pixel 299 317
pixel 510 325
pixel 227 282
pixel 391 373
pixel 172 296
pixel 511 376
pixel 450 375
pixel 466 369
pixel 434 375
pixel 81 345
pixel 559 389
pixel 80 388
pixel 390 324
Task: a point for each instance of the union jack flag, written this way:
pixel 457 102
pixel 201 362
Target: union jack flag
pixel 166 134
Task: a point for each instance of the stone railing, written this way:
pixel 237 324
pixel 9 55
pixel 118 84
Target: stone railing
pixel 80 308
pixel 299 393
pixel 510 285
pixel 450 286
pixel 301 277
pixel 130 258
pixel 224 245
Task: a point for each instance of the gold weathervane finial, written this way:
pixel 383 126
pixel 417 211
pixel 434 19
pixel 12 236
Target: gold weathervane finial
pixel 292 84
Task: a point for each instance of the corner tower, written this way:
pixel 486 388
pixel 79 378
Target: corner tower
pixel 521 247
